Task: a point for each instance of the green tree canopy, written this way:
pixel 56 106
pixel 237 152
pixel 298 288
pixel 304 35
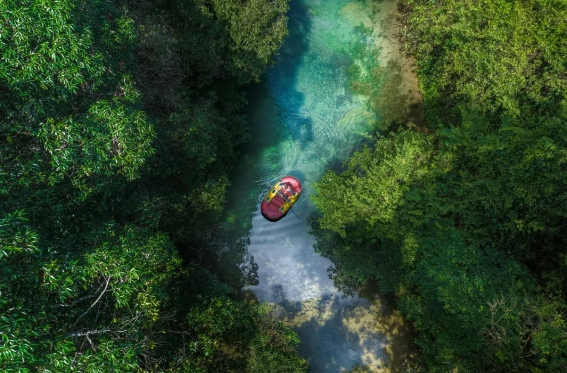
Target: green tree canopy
pixel 115 140
pixel 466 225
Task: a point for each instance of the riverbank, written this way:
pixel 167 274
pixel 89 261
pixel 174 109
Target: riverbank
pixel 402 89
pixel 385 74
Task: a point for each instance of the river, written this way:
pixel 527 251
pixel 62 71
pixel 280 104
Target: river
pixel 304 120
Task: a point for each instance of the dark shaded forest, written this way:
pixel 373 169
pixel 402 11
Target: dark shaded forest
pixel 119 122
pixel 465 225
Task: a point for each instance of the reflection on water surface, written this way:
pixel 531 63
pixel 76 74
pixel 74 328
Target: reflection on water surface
pixel 305 119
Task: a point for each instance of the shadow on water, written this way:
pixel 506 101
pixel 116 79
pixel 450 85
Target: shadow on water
pixel 283 79
pixel 352 335
pixel 269 125
pixel 383 261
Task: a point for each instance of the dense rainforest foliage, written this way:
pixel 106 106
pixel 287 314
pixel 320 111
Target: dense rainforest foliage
pixel 119 120
pixel 467 224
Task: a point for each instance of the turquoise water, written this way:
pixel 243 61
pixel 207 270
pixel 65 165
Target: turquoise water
pixel 316 117
pixel 304 120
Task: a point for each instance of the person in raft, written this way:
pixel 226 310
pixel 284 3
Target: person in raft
pixel 286 189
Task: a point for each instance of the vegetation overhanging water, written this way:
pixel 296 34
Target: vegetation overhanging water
pixel 305 118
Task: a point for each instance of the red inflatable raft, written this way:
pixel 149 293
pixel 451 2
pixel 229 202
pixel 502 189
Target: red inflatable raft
pixel 280 198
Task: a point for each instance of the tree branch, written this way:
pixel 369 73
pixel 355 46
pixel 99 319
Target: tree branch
pixel 95 302
pixel 91 332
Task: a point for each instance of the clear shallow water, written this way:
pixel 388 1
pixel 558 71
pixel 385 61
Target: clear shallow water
pixel 304 120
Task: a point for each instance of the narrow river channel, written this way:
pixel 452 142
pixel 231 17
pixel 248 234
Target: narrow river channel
pixel 304 120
